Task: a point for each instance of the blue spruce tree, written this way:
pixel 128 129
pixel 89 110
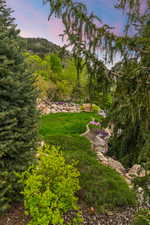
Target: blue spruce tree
pixel 18 114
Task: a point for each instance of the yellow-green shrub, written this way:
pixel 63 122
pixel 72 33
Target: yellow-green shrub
pixel 90 108
pixel 49 188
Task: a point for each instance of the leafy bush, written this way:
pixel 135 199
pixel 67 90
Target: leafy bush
pixel 94 124
pixel 49 188
pixel 95 108
pixel 91 108
pixel 81 107
pixel 142 218
pixel 105 100
pixel 95 127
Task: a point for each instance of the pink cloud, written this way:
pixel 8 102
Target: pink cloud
pixel 34 22
pixel 117 29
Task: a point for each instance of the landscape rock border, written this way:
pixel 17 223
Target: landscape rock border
pixel 46 107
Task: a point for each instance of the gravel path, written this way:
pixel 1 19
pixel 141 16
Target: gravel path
pixel 121 217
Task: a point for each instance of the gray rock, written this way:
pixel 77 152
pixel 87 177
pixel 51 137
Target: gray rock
pixel 99 141
pixel 136 171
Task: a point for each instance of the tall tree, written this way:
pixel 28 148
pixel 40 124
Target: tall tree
pixel 17 110
pixel 132 95
pixel 131 108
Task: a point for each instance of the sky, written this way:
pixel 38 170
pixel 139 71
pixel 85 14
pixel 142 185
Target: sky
pixel 32 18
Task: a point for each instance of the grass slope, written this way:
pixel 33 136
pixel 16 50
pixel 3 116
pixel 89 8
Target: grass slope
pixel 101 186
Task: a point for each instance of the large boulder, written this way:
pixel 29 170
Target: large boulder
pixel 98 141
pixel 136 171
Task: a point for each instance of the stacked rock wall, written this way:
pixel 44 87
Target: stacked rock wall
pixel 56 107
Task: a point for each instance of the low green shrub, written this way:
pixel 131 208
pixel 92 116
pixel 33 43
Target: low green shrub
pixel 95 108
pixel 81 107
pixel 91 108
pixel 95 124
pixel 49 188
pixel 142 218
pixel 105 100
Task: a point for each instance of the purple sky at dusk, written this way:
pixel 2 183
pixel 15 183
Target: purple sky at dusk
pixel 31 18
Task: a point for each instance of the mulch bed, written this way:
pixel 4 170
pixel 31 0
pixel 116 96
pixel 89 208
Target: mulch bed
pixel 16 216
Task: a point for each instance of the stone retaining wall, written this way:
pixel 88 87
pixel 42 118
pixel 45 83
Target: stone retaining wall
pixel 56 107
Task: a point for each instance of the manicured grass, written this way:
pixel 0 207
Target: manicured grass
pixel 65 123
pixel 101 186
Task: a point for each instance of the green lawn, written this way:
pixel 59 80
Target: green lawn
pixel 101 186
pixel 65 123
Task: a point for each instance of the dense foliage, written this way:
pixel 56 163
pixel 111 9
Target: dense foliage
pixel 17 110
pixel 56 79
pixel 49 188
pixel 42 47
pixel 132 99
